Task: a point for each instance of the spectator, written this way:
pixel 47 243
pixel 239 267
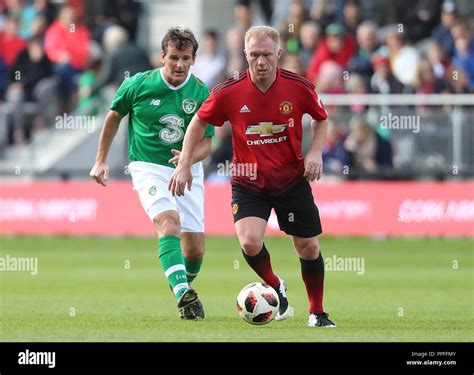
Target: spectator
pixel 290 30
pixel 420 18
pixel 235 51
pixel 243 16
pixel 351 16
pixel 25 16
pixel 40 14
pixel 210 63
pixel 265 6
pixel 89 99
pixel 122 58
pixel 39 27
pixel 383 81
pixel 309 39
pixel 296 17
pixel 280 13
pixel 356 85
pixel 442 32
pixel 288 42
pixel 403 58
pixel 29 82
pixel 464 50
pixel 45 13
pixel 10 43
pixel 292 63
pixel 458 83
pixel 45 8
pixel 437 59
pixel 67 46
pixel 369 9
pixel 425 81
pixel 334 154
pixel 336 46
pixel 361 62
pixel 324 12
pixel 123 13
pixel 218 168
pixel 330 80
pixel 367 151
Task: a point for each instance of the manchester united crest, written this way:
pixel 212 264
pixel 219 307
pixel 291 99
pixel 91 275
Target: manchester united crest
pixel 286 107
pixel 235 208
pixel 189 106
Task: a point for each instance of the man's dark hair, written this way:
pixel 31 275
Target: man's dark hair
pixel 180 38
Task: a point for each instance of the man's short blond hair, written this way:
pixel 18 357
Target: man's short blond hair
pixel 262 32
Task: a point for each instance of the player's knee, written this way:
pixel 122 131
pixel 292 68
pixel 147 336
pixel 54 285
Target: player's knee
pixel 167 225
pixel 168 231
pixel 309 250
pixel 194 253
pixel 251 245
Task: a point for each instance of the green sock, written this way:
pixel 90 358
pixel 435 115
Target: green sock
pixel 172 262
pixel 192 268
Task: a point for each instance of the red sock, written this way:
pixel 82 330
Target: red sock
pixel 260 263
pixel 313 277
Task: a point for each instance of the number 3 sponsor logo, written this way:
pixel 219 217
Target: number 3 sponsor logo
pixel 174 129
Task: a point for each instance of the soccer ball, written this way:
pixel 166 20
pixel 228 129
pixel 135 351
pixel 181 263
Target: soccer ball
pixel 257 303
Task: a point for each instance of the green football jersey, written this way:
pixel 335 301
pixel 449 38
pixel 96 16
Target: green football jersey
pixel 159 114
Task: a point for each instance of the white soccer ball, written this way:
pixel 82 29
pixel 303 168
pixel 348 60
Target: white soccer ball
pixel 257 303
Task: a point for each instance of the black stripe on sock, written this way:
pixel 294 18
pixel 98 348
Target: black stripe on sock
pixel 313 266
pixel 256 258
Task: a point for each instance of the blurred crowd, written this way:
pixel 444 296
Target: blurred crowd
pixel 59 57
pixel 355 47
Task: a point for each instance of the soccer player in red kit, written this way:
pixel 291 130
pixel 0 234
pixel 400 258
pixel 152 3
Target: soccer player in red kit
pixel 265 105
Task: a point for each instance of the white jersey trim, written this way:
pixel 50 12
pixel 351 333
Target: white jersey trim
pixel 170 86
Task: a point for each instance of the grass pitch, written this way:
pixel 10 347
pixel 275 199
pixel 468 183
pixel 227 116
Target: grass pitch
pixel 113 289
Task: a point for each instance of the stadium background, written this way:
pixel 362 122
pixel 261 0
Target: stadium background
pixel 396 75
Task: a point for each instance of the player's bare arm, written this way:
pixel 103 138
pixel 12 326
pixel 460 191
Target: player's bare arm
pixel 203 150
pixel 100 170
pixel 313 162
pixel 182 175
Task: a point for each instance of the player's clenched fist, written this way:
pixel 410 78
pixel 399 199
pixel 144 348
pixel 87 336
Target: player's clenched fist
pixel 180 178
pixel 100 173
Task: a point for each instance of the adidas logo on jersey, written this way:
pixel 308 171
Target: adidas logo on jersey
pixel 244 109
pixel 155 102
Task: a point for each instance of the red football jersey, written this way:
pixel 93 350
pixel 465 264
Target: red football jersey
pixel 266 127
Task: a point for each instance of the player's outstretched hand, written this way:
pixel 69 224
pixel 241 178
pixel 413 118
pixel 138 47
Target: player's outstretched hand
pixel 175 159
pixel 313 165
pixel 180 178
pixel 100 173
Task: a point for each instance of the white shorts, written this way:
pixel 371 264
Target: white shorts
pixel 151 183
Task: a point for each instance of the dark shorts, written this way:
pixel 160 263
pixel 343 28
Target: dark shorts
pixel 295 208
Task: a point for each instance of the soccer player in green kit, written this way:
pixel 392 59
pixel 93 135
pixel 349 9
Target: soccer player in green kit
pixel 160 104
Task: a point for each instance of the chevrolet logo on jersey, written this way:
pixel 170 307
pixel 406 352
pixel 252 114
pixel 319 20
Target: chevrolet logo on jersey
pixel 265 129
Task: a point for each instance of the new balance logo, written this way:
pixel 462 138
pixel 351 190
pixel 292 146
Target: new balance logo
pixel 155 102
pixel 244 109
